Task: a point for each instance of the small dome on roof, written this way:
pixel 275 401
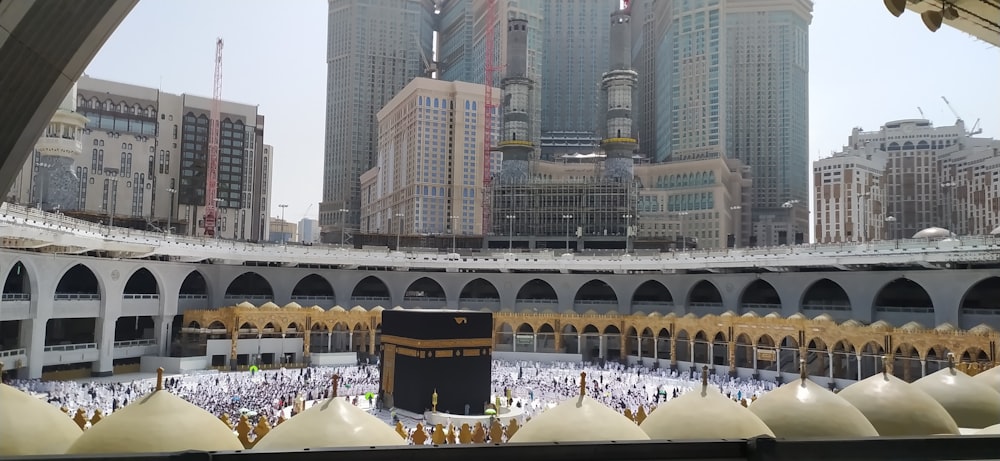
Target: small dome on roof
pixel 704 414
pixel 655 314
pixel 317 308
pixel 797 316
pixel 337 309
pixel 293 305
pixel 32 427
pixel 992 430
pixel 639 314
pixel 330 423
pixel 912 326
pixel 590 312
pixel 728 314
pixel 851 323
pixel 772 315
pixel 750 315
pixel 897 408
pixel 358 309
pixel 880 325
pixel 803 409
pixel 933 233
pixel 990 378
pixel 377 309
pixel 670 315
pixel 399 308
pixel 981 329
pixel 579 419
pixel 945 328
pixel 823 318
pixel 971 403
pixel 158 422
pixel 689 315
pixel 246 305
pixel 269 306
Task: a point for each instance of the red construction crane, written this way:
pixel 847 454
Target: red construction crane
pixel 212 163
pixel 489 68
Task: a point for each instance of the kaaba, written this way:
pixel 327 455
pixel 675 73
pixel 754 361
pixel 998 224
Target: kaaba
pixel 446 352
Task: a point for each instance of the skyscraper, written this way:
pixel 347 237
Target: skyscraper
pixel 732 78
pixel 374 48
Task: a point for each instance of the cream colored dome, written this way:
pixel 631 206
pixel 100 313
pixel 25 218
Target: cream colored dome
pixel 246 305
pixel 316 308
pixel 579 419
pixel 802 409
pixel 293 305
pixel 334 422
pixel 358 309
pixel 29 426
pixel 992 430
pixel 971 403
pixel 159 422
pixel 269 306
pixel 704 414
pixel 337 309
pixel 897 408
pixel 990 378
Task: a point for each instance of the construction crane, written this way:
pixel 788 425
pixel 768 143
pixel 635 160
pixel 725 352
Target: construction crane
pixel 212 166
pixel 488 68
pixel 952 109
pixel 921 112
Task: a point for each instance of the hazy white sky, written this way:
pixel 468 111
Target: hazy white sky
pixel 866 67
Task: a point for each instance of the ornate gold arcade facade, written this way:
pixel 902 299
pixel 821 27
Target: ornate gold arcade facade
pixel 848 350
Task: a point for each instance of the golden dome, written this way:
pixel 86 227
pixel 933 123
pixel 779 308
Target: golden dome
pixel 973 404
pixel 990 378
pixel 158 422
pixel 580 419
pixel 703 415
pixel 802 409
pixel 334 422
pixel 269 306
pixel 293 305
pixel 897 408
pixel 29 426
pixel 246 305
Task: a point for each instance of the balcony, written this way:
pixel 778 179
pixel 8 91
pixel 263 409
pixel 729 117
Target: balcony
pixel 13 358
pixel 135 348
pixel 70 353
pixel 61 147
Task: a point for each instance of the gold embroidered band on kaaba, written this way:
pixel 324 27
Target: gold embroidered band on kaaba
pixel 437 343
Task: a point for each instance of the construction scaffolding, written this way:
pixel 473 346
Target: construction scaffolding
pixel 550 208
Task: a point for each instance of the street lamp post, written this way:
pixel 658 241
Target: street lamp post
pixel 170 214
pixel 399 230
pixel 510 233
pixel 284 238
pixel 567 218
pixel 628 231
pixel 790 205
pixel 343 214
pixel 454 231
pixel 736 239
pixel 888 226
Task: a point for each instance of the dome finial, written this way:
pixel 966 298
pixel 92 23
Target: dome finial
pixel 583 383
pixel 802 370
pixel 159 379
pixel 951 361
pixel 885 366
pixel 336 382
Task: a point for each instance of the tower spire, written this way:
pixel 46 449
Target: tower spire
pixel 619 143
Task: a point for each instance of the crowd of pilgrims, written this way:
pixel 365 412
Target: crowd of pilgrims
pixel 532 386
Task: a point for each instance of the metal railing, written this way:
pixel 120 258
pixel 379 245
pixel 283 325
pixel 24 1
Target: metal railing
pixel 70 347
pixel 77 296
pixel 140 296
pixel 17 297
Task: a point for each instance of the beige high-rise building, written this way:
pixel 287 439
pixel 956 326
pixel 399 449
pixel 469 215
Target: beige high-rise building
pixel 428 174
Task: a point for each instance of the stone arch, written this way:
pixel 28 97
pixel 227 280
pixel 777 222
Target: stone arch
pixel 906 362
pixel 871 354
pixel 704 298
pixel 79 282
pixel 194 284
pixel 536 291
pixel 597 295
pixel 250 285
pixel 817 357
pixel 371 288
pixel 17 286
pixel 479 291
pixel 142 282
pixel 825 295
pixel 720 349
pixel 427 292
pixel 744 351
pixel 768 359
pixel 903 298
pixel 683 345
pixel 980 303
pixel 652 296
pixel 845 360
pixel 759 297
pixel 313 287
